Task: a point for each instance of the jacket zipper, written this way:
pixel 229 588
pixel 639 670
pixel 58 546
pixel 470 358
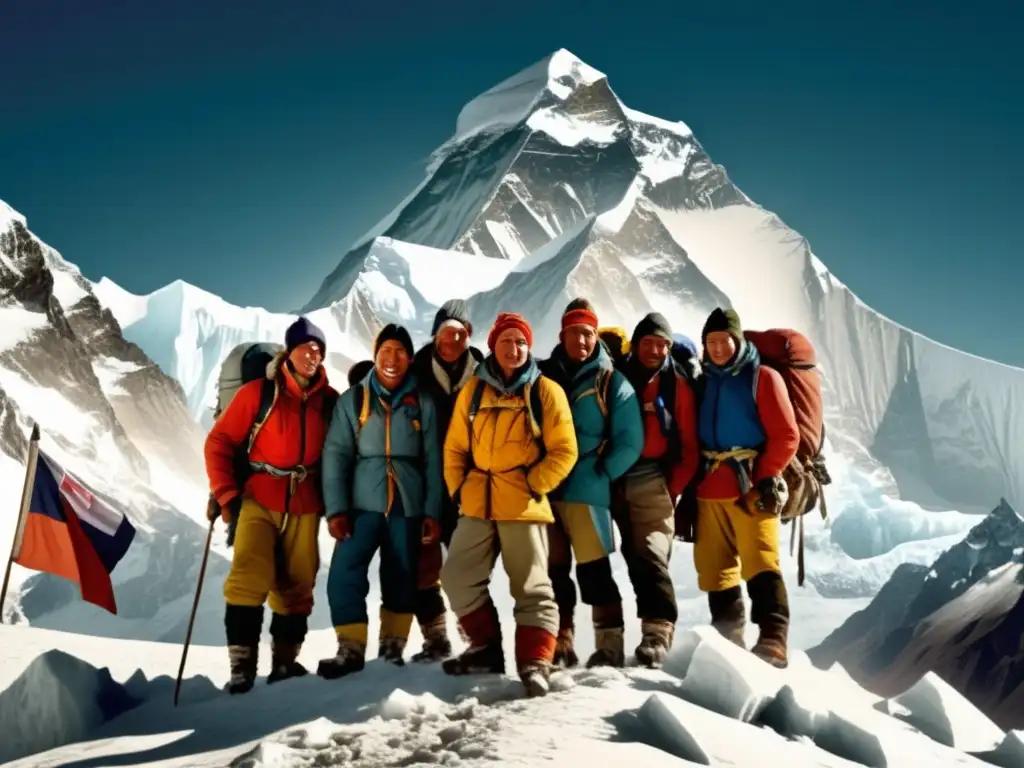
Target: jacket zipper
pixel 387 458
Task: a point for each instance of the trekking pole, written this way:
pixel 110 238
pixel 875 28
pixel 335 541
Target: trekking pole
pixel 195 606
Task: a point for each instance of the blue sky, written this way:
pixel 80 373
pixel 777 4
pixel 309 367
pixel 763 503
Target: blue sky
pixel 244 146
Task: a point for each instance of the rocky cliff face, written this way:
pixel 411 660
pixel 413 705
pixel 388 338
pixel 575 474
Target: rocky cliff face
pixel 108 414
pixel 962 619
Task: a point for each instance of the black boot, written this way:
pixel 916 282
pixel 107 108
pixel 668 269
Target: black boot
pixel 351 657
pixel 728 614
pixel 770 611
pixel 243 625
pixel 477 660
pixel 287 634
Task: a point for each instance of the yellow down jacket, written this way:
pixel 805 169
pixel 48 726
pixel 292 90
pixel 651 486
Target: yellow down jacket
pixel 495 467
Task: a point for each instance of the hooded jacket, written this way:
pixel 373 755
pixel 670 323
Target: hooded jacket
pixel 745 405
pixel 496 466
pixel 397 451
pixel 292 435
pixel 608 444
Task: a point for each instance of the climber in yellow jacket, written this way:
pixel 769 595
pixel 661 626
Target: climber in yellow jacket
pixel 510 443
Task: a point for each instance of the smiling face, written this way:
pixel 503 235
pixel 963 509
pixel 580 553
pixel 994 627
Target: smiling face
pixel 721 347
pixel 511 351
pixel 451 342
pixel 391 364
pixel 306 359
pixel 653 351
pixel 579 342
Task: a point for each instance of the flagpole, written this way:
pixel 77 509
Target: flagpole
pixel 26 502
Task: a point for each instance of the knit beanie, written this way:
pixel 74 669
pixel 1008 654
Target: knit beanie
pixel 452 311
pixel 723 320
pixel 653 324
pixel 579 312
pixel 393 332
pixel 302 331
pixel 358 371
pixel 504 322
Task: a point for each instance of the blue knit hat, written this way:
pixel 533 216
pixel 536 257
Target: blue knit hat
pixel 301 331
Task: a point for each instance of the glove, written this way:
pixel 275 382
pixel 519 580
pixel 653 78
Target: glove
pixel 340 527
pixel 232 510
pixel 212 509
pixel 764 498
pixel 431 530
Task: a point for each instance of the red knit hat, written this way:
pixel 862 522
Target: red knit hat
pixel 504 322
pixel 579 312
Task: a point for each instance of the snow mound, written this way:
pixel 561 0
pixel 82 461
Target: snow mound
pixel 723 708
pixel 57 700
pixel 937 709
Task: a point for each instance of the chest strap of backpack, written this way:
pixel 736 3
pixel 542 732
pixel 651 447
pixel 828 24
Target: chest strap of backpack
pixel 740 460
pixel 599 390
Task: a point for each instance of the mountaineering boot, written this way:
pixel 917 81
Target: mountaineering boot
pixel 769 609
pixel 243 659
pixel 728 614
pixel 609 637
pixel 436 645
pixel 655 642
pixel 351 657
pixel 392 650
pixel 565 649
pixel 536 679
pixel 485 654
pixel 286 636
pixel 535 648
pixel 477 660
pixel 284 662
pixel 243 624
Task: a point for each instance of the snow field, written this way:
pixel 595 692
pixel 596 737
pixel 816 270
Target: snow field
pixel 713 704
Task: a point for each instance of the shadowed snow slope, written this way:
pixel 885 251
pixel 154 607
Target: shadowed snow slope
pixel 713 704
pixel 960 618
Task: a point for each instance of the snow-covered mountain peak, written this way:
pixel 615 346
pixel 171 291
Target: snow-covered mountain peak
pixel 552 80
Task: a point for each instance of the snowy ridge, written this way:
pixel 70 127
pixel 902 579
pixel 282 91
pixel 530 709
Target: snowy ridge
pixel 714 704
pixel 188 331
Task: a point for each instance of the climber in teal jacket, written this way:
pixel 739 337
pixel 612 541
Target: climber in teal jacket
pixel 382 482
pixel 610 435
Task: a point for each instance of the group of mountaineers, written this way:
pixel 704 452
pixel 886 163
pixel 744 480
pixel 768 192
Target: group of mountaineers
pixel 441 459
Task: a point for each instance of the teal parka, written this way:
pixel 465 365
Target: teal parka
pixel 621 432
pixel 400 432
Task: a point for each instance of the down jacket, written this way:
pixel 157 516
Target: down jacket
pixel 498 467
pixel 396 451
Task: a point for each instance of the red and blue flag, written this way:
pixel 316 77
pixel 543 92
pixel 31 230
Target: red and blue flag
pixel 71 532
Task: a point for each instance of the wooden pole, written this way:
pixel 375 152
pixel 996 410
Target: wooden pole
pixel 192 616
pixel 26 501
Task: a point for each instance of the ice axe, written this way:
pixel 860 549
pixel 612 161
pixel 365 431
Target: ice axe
pixel 195 606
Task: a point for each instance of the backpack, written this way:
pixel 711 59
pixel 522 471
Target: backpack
pixel 793 356
pixel 247 362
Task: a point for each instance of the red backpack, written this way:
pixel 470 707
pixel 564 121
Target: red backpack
pixel 792 355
